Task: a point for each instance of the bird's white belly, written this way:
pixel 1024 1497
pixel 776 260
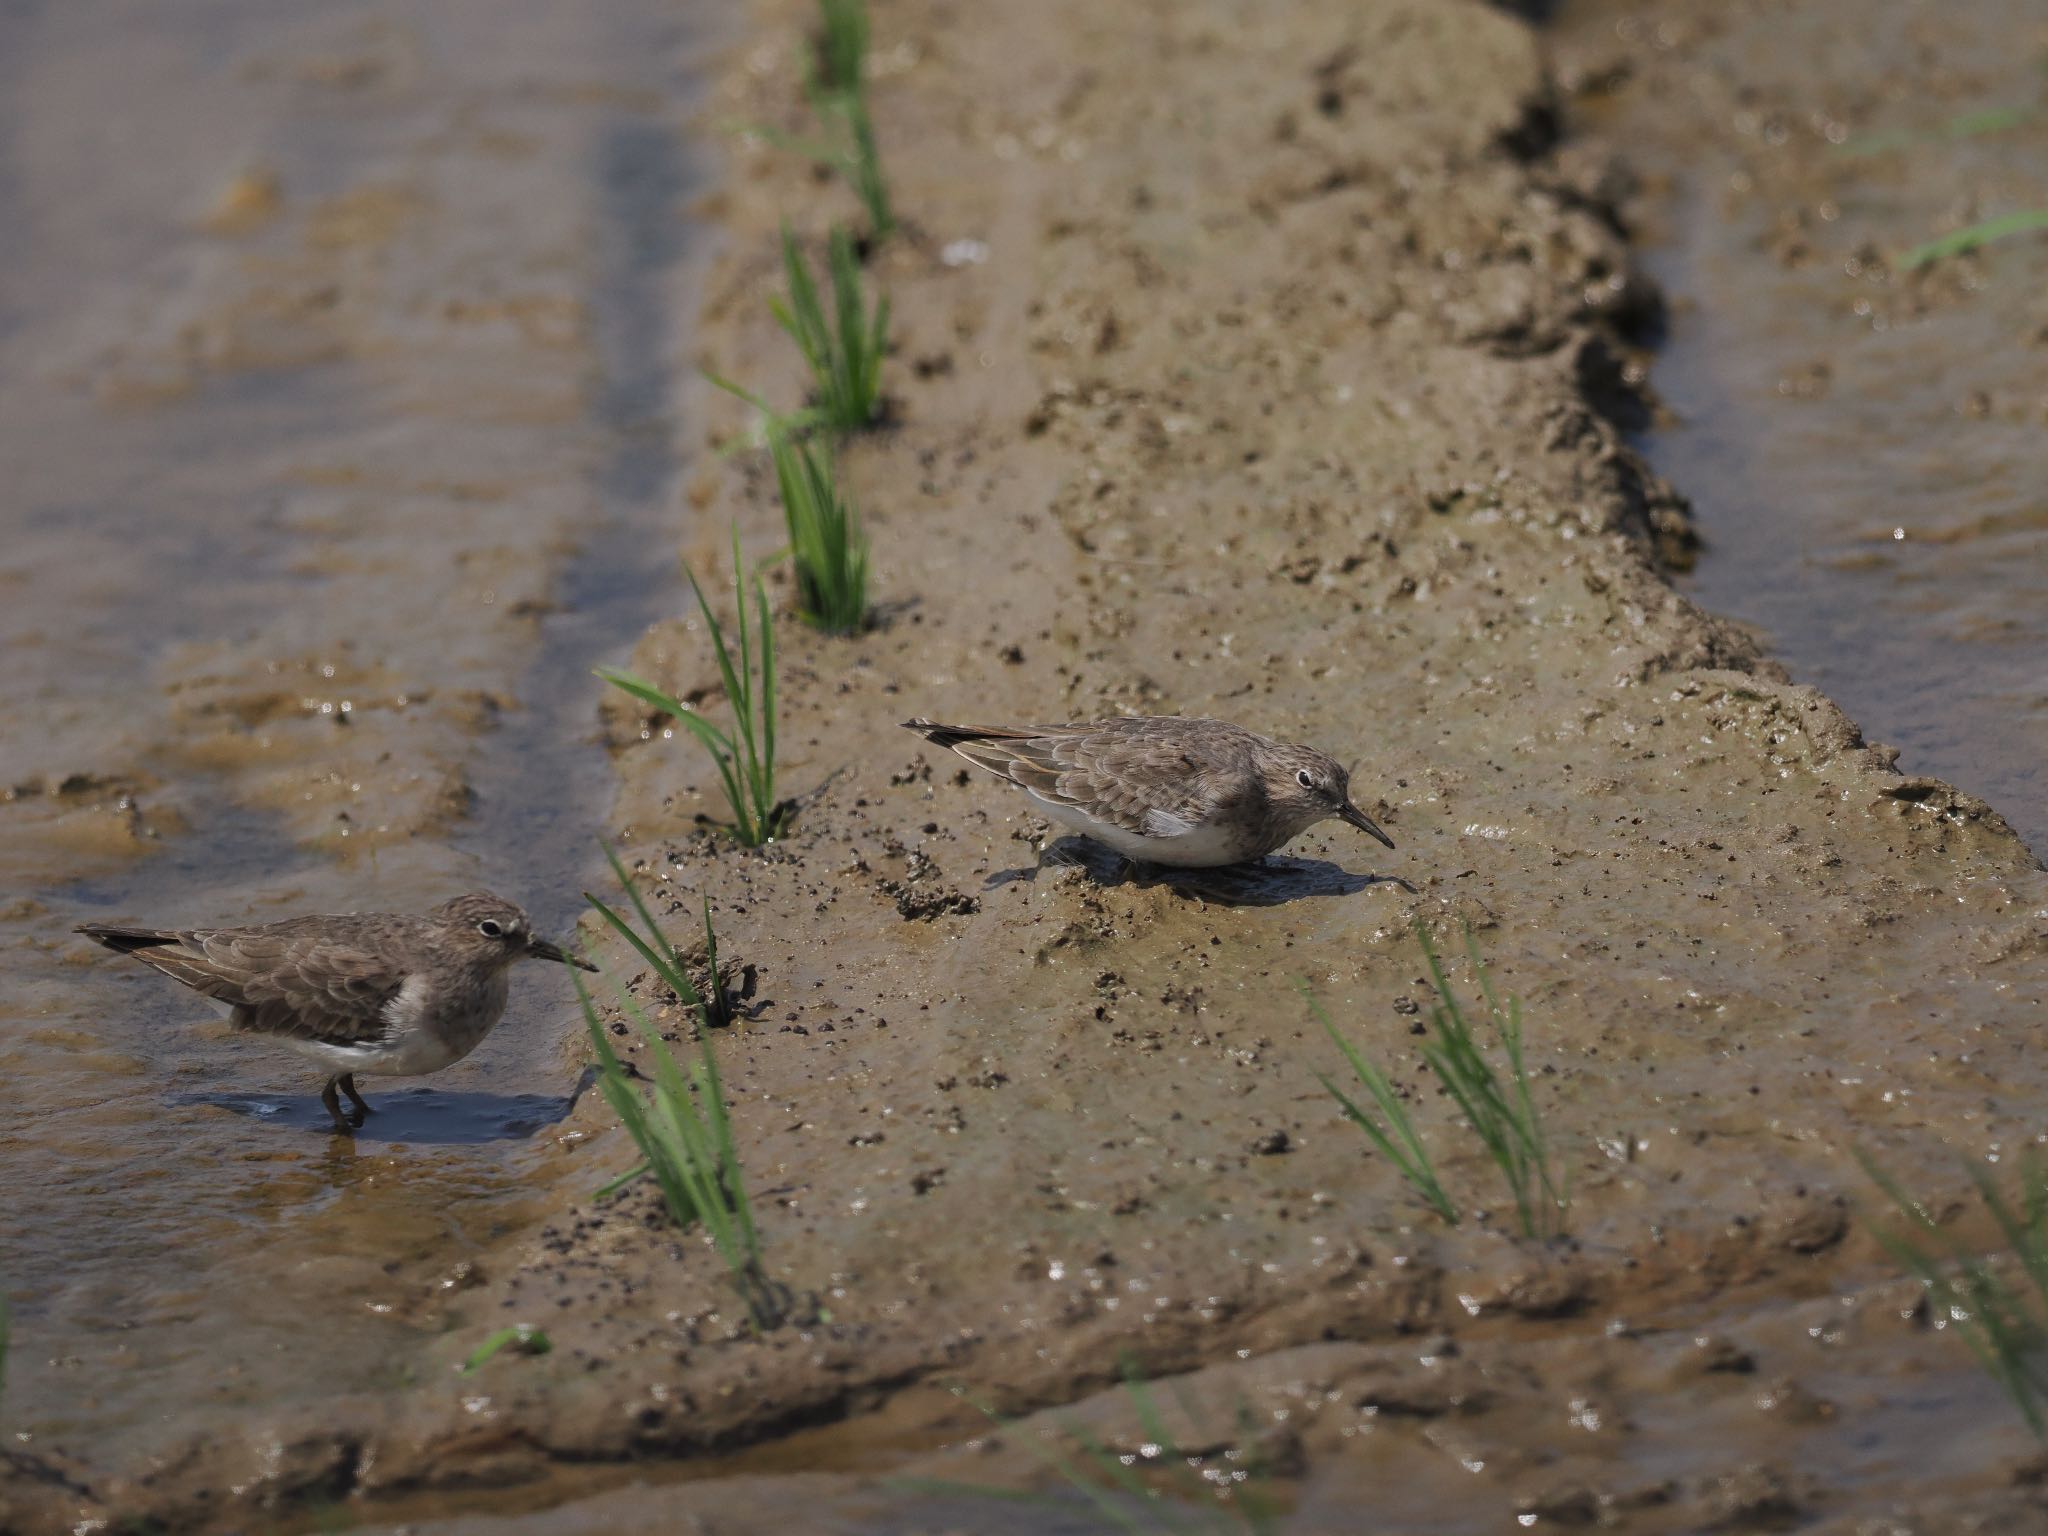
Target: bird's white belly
pixel 409 1048
pixel 1200 847
pixel 411 1055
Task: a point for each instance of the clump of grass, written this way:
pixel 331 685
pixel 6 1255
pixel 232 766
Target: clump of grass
pixel 850 150
pixel 862 167
pixel 1396 1139
pixel 2003 1321
pixel 844 348
pixel 745 756
pixel 839 65
pixel 836 85
pixel 1968 238
pixel 684 1133
pixel 524 1337
pixel 838 90
pixel 825 538
pixel 1497 1104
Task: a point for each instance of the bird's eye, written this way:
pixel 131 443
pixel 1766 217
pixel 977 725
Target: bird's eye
pixel 490 928
pixel 1305 779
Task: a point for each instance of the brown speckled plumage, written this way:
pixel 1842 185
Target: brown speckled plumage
pixel 378 992
pixel 1166 789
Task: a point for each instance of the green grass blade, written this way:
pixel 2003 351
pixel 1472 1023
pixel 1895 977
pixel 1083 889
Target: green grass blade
pixel 747 395
pixel 839 62
pixel 825 538
pixel 765 795
pixel 529 1340
pixel 735 766
pixel 1398 1140
pixel 1969 238
pixel 1501 1112
pixel 674 1127
pixel 868 183
pixel 743 702
pixel 709 736
pixel 1969 125
pixel 640 909
pixel 681 1128
pixel 612 1186
pixel 673 975
pixel 2007 1337
pixel 626 1103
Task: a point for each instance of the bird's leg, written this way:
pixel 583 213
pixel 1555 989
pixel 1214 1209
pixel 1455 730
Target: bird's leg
pixel 333 1103
pixel 348 1086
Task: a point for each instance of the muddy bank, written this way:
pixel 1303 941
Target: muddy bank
pixel 1285 393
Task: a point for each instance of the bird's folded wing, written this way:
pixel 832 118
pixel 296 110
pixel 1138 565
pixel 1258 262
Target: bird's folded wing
pixel 298 985
pixel 1131 783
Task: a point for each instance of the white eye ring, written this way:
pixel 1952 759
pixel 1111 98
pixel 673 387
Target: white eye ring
pixel 489 928
pixel 1304 778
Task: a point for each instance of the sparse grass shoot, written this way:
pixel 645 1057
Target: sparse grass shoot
pixel 839 67
pixel 522 1337
pixel 1968 125
pixel 683 1133
pixel 844 349
pixel 1968 238
pixel 1497 1104
pixel 862 167
pixel 825 538
pixel 1392 1130
pixel 745 756
pixel 838 90
pixel 2002 1317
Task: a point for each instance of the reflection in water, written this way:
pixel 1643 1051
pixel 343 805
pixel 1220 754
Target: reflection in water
pixel 411 1116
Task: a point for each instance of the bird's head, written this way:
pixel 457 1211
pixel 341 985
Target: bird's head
pixel 1308 786
pixel 494 929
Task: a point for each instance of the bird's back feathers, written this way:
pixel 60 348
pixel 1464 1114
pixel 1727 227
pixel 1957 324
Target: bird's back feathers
pixel 307 978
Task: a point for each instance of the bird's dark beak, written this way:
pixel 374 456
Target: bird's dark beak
pixel 1357 818
pixel 541 949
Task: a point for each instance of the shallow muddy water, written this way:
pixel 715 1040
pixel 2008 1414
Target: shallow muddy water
pixel 1862 444
pixel 336 351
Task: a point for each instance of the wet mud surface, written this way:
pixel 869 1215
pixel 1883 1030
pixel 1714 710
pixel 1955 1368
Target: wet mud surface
pixel 1285 378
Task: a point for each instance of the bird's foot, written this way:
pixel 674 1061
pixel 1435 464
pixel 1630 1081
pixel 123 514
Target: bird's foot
pixel 344 1125
pixel 362 1105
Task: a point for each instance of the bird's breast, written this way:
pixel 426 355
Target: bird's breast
pixel 434 1021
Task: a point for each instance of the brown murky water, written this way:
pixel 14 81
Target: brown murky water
pixel 1862 443
pixel 336 347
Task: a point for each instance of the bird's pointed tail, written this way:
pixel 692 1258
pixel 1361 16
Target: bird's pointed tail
pixel 126 941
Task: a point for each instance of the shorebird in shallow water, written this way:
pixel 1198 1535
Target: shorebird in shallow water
pixel 372 992
pixel 1190 793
